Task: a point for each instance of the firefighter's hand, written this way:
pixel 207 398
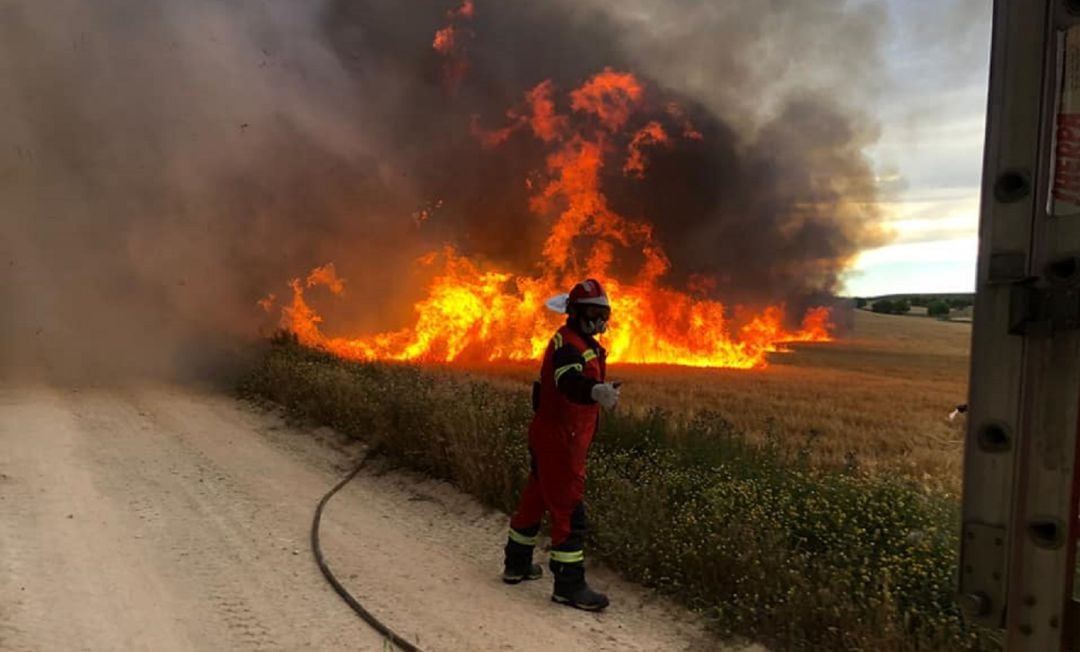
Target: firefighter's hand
pixel 605 394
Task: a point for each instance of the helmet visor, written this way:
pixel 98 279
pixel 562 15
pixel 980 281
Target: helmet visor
pixel 595 313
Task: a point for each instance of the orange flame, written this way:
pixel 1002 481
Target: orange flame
pixel 267 302
pixel 651 134
pixel 450 43
pixel 444 40
pixel 473 312
pixel 610 96
pixel 688 130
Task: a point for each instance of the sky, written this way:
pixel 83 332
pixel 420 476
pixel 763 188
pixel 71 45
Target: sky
pixel 929 157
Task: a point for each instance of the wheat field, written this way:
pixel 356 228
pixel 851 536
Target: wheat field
pixel 878 398
pixel 859 559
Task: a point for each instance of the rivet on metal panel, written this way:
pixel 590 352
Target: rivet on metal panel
pixel 1064 271
pixel 975 604
pixel 1026 630
pixel 982 589
pixel 1012 185
pixel 1047 533
pixel 994 438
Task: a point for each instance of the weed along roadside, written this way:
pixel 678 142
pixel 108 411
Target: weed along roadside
pixel 759 540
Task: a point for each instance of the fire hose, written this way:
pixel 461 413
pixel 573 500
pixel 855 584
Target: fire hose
pixel 370 619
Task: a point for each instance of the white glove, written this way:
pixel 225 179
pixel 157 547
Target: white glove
pixel 605 394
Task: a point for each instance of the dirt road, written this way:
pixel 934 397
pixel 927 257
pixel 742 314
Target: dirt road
pixel 166 518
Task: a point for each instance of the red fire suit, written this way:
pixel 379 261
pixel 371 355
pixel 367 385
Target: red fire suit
pixel 559 438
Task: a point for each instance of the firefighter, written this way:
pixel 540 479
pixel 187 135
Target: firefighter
pixel 567 402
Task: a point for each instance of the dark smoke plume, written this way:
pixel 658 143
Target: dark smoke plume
pixel 774 201
pixel 164 164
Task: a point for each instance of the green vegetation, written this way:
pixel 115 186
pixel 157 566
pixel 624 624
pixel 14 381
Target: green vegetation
pixel 955 301
pixel 937 305
pixel 762 541
pixel 938 308
pixel 891 307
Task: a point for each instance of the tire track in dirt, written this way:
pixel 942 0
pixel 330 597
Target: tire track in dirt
pixel 197 553
pixel 15 521
pixel 213 536
pixel 67 568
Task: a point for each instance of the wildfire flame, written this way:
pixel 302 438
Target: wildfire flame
pixel 450 43
pixel 473 312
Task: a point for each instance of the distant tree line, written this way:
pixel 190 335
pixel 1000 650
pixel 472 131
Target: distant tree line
pixel 936 306
pixel 953 303
pixel 891 307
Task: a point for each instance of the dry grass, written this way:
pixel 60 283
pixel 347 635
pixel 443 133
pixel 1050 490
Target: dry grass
pixel 878 399
pixel 799 538
pixel 757 538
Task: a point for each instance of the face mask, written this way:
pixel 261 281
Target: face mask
pixel 594 322
pixel 593 326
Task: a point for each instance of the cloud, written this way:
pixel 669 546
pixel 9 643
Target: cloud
pixel 963 249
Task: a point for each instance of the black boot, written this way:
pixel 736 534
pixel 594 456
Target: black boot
pixel 572 590
pixel 518 565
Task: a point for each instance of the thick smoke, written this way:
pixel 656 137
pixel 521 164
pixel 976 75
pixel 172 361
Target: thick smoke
pixel 773 202
pixel 164 164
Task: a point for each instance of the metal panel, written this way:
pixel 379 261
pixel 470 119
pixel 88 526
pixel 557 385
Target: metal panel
pixel 1010 164
pixel 1044 516
pixel 1021 456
